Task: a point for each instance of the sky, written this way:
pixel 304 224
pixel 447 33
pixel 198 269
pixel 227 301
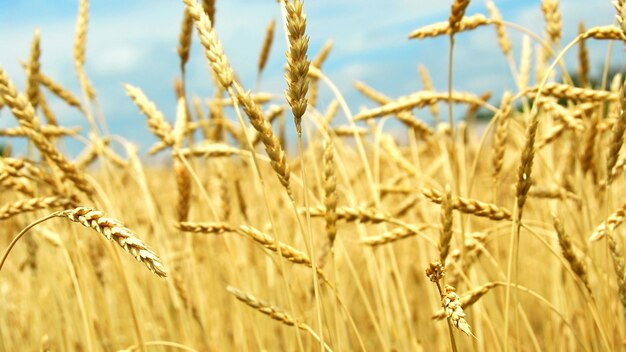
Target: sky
pixel 135 42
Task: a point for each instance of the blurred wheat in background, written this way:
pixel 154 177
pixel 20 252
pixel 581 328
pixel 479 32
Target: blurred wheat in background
pixel 459 234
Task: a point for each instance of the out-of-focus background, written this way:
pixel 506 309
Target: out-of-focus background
pixel 135 42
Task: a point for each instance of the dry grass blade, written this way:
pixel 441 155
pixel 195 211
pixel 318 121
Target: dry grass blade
pixel 113 230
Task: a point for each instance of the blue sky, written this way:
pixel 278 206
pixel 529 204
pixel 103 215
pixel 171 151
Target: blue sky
pixel 135 42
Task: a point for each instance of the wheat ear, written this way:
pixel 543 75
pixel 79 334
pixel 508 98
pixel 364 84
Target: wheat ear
pixel 80 42
pixel 212 46
pixel 297 62
pixel 25 115
pixel 115 231
pixel 32 85
pixel 267 45
pixel 32 204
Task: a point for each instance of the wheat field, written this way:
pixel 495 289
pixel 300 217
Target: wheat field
pixel 281 223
